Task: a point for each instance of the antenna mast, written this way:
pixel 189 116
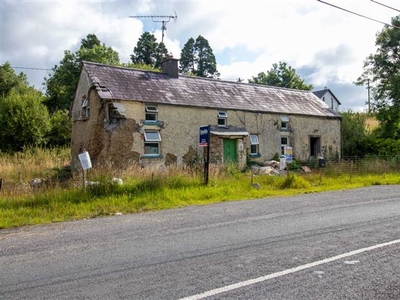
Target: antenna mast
pixel 160 19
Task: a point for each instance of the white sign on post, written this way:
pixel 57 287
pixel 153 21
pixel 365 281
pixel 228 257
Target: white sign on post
pixel 85 160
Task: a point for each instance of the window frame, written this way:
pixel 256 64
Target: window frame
pixel 222 118
pixel 283 145
pixel 254 144
pixel 151 142
pixel 85 107
pixel 151 110
pixel 285 123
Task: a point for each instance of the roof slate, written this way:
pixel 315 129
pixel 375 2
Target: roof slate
pixel 118 83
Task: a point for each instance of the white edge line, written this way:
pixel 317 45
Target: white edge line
pixel 285 272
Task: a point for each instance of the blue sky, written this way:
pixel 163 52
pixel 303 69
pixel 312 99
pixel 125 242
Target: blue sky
pixel 327 46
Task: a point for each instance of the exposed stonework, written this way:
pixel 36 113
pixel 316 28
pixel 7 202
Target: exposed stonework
pixel 170 159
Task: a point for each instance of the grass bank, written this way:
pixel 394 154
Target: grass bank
pixel 146 190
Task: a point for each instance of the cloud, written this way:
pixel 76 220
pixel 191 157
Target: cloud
pixel 325 45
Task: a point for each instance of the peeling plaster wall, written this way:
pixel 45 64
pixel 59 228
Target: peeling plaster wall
pixel 122 143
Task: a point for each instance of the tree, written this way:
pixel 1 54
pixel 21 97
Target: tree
pixel 197 58
pixel 382 74
pixel 24 119
pixel 281 75
pixel 148 51
pixel 61 85
pixel 9 80
pixel 357 140
pixel 60 129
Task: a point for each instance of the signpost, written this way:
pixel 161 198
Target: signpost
pixel 204 141
pixel 86 164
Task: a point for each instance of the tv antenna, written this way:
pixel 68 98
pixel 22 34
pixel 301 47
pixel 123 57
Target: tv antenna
pixel 159 19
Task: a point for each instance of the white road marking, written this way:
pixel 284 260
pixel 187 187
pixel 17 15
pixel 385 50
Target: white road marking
pixel 285 272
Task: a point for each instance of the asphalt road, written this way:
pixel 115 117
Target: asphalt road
pixel 335 245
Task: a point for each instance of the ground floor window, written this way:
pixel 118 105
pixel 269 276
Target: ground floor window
pixel 152 141
pixel 284 144
pixel 254 144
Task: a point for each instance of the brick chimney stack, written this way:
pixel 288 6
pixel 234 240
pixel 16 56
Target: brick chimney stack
pixel 170 66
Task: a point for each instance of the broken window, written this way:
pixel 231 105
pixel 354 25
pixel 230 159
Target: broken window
pixel 151 113
pixel 222 117
pixel 152 141
pixel 284 144
pixel 254 144
pixel 85 107
pixel 284 122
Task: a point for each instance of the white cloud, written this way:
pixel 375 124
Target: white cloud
pixel 326 43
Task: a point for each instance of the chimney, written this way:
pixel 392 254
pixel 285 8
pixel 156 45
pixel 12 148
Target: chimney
pixel 170 66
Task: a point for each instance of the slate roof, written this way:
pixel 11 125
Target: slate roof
pixel 118 83
pixel 321 93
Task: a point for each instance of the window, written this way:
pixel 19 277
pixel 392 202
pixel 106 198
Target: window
pixel 85 107
pixel 284 123
pixel 152 141
pixel 151 113
pixel 254 144
pixel 222 116
pixel 284 143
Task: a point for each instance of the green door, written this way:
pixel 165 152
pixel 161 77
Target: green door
pixel 230 151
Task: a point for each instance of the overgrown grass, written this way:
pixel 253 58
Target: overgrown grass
pixel 151 189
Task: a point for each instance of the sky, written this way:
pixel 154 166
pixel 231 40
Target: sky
pixel 327 46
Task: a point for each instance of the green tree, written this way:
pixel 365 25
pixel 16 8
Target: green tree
pixel 357 140
pixel 197 58
pixel 382 74
pixel 60 129
pixel 148 51
pixel 24 119
pixel 9 79
pixel 61 85
pixel 281 75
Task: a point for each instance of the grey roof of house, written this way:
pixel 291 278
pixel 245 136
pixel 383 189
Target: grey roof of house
pixel 119 83
pixel 321 93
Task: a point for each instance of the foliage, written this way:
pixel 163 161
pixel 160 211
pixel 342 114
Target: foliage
pixel 24 118
pixel 281 75
pixel 356 139
pixel 382 72
pixel 10 80
pixel 60 129
pixel 148 51
pixel 61 85
pixel 197 58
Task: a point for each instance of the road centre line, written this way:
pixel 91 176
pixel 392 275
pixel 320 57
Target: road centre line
pixel 285 272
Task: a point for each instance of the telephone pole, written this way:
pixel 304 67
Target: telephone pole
pixel 160 19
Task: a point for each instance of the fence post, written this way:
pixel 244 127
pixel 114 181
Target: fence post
pixel 1 185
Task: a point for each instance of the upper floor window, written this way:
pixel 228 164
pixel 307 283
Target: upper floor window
pixel 151 113
pixel 284 123
pixel 222 118
pixel 85 107
pixel 254 144
pixel 152 141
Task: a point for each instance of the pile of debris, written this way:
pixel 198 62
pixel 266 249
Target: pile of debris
pixel 273 167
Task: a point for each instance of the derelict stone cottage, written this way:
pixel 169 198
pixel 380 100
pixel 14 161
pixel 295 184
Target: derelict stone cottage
pixel 124 116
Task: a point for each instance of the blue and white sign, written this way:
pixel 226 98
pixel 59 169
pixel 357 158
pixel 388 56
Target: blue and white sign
pixel 204 135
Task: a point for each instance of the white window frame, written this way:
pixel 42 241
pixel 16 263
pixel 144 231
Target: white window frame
pixel 86 108
pixel 284 122
pixel 284 145
pixel 151 110
pixel 152 141
pixel 254 142
pixel 222 118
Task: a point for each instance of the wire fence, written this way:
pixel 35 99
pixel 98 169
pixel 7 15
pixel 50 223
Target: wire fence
pixel 356 165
